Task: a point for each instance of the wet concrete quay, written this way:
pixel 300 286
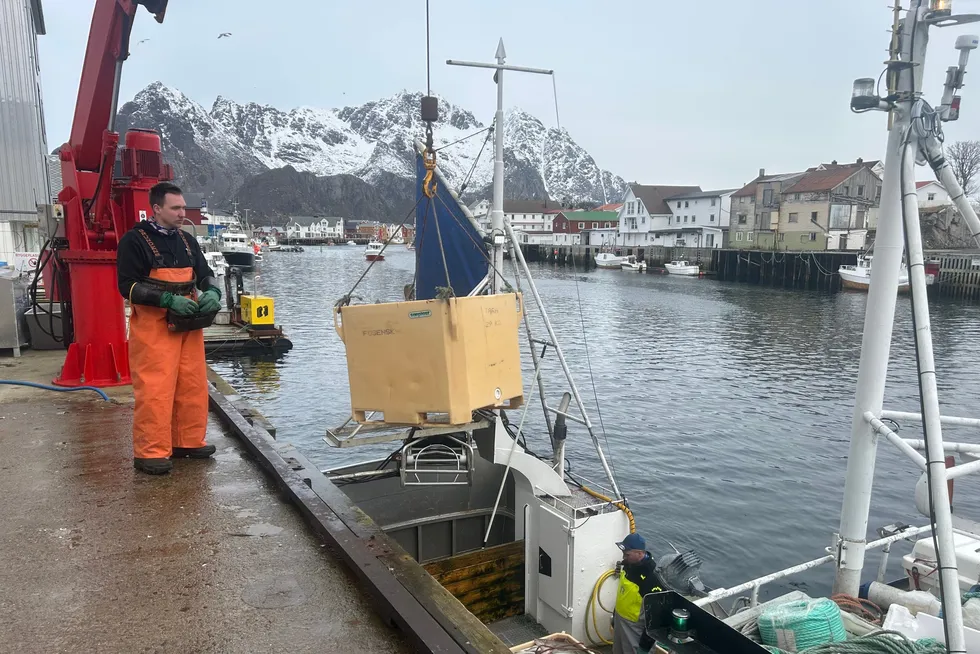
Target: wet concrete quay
pixel 97 557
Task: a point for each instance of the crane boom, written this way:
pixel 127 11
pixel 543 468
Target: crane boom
pixel 100 204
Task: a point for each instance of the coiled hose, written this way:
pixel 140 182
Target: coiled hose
pixel 596 602
pixel 619 505
pixel 59 389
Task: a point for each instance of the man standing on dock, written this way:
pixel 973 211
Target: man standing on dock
pixel 637 577
pixel 160 270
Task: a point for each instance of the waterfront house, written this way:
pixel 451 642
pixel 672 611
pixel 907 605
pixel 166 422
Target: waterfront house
pixel 645 217
pixel 568 226
pixel 699 219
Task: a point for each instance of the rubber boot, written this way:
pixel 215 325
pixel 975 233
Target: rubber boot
pixel 153 466
pixel 192 452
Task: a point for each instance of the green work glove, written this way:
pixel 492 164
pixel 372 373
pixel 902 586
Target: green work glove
pixel 179 304
pixel 209 300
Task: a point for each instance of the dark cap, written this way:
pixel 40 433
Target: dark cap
pixel 633 542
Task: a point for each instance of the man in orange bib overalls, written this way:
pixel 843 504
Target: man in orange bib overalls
pixel 160 270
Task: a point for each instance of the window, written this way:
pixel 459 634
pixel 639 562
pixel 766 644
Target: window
pixel 847 190
pixel 581 225
pixel 606 225
pixel 685 218
pixel 686 204
pixel 741 219
pixel 767 196
pixel 741 200
pixel 694 219
pixel 781 236
pixel 595 225
pixel 639 207
pixel 643 220
pixel 678 219
pixel 813 236
pixel 678 204
pixel 738 236
pixel 709 240
pixel 713 201
pixel 712 218
pixel 796 197
pixel 748 236
pixel 932 196
pixel 794 217
pixel 861 190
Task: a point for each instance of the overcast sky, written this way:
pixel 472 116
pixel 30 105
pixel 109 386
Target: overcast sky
pixel 687 92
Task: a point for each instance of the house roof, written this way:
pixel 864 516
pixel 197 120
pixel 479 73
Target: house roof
pixel 613 206
pixel 531 206
pixel 591 216
pixel 826 178
pixel 309 220
pixel 919 185
pixel 750 188
pixel 702 194
pixel 654 197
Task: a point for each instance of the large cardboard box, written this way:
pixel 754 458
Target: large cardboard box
pixel 409 362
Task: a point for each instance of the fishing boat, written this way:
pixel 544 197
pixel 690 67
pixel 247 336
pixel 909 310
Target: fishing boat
pixel 683 268
pixel 374 251
pixel 858 277
pixel 632 264
pixel 608 260
pixel 928 600
pixel 462 481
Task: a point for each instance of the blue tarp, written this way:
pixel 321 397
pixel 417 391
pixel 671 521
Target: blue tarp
pixel 466 253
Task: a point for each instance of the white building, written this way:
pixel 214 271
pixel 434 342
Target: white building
pixel 23 143
pixel 314 227
pixel 645 217
pixel 531 219
pixel 700 219
pixel 931 194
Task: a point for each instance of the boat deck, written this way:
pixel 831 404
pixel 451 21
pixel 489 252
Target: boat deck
pixel 207 559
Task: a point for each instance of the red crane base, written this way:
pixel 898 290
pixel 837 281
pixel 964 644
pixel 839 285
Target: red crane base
pixel 96 365
pixel 100 354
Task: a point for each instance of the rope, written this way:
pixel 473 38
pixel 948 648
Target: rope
pixel 469 175
pixel 802 624
pixel 863 608
pixel 345 300
pixel 448 292
pixel 879 642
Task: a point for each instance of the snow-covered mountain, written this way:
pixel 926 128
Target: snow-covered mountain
pixel 221 150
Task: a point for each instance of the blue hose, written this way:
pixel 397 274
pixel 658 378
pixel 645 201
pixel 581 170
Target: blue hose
pixel 13 382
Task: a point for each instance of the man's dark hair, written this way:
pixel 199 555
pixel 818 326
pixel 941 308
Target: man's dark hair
pixel 159 192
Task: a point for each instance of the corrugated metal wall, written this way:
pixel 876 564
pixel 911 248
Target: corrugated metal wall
pixel 23 142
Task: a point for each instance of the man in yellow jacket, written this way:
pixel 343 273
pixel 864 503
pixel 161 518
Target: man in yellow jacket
pixel 637 577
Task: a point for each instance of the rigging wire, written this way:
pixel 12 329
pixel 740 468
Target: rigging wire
pixel 428 67
pixel 469 175
pixel 469 136
pixel 585 340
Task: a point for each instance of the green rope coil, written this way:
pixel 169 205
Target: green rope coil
pixel 881 642
pixel 801 625
pixel 971 595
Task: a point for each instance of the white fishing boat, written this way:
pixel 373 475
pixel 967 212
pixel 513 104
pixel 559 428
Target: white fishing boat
pixel 858 277
pixel 683 268
pixel 608 260
pixel 632 264
pixel 374 251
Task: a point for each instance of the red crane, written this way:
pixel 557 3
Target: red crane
pixel 101 202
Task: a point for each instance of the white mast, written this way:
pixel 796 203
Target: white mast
pixel 914 127
pixel 497 209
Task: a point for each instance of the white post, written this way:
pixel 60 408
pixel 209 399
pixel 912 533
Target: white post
pixel 497 232
pixel 876 341
pixel 497 210
pixel 936 464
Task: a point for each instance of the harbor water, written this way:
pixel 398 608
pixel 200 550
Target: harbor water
pixel 725 408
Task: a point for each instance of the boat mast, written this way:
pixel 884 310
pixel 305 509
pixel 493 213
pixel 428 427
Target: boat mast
pixel 497 208
pixel 910 134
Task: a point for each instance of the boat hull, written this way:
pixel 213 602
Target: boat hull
pixel 859 282
pixel 375 257
pixel 683 271
pixel 239 259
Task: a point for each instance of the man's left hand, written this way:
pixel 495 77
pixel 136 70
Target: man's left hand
pixel 209 300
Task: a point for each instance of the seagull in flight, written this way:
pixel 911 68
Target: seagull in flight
pixel 142 42
pixel 224 34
